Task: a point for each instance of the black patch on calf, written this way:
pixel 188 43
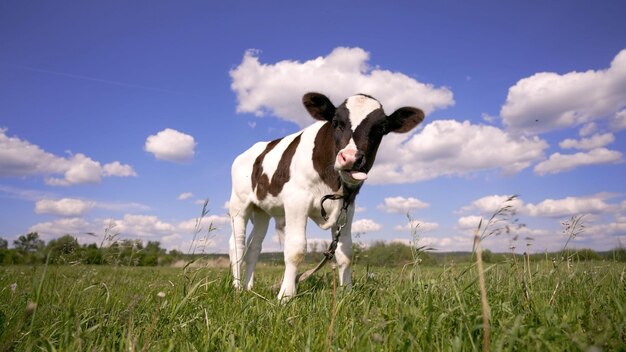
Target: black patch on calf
pixel 324 154
pixel 261 181
pixel 367 137
pixel 258 177
pixel 282 174
pixel 342 127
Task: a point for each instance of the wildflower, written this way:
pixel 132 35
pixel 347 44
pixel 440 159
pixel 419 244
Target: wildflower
pixel 13 287
pixel 30 308
pixel 161 294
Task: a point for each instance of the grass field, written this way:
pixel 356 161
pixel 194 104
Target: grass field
pixel 105 308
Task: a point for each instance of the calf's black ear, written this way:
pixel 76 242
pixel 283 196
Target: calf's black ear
pixel 319 106
pixel 403 120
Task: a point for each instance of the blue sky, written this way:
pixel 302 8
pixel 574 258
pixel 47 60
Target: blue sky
pixel 130 114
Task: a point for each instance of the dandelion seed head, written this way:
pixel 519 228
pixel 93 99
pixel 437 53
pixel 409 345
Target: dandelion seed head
pixel 30 307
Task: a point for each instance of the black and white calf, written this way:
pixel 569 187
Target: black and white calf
pixel 286 179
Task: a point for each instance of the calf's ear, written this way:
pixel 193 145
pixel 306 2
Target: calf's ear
pixel 403 120
pixel 319 106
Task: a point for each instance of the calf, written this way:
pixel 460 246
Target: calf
pixel 287 178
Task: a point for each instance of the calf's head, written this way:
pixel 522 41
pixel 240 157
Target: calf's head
pixel 359 125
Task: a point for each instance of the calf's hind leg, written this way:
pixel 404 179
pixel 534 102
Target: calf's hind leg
pixel 239 218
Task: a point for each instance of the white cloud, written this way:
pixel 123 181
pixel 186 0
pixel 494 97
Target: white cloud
pixel 588 129
pixel 147 227
pixel 217 222
pixel 402 205
pixel 81 170
pixel 74 226
pixel 618 121
pixel 417 225
pixel 449 147
pixel 569 206
pixel 20 158
pixel 443 244
pixel 490 204
pixel 548 101
pixel 63 207
pixel 564 162
pixel 171 145
pixel 121 206
pixel 278 88
pixel 117 169
pixel 593 142
pixel 614 228
pixel 365 226
pixel 469 222
pixel 185 195
pixel 143 226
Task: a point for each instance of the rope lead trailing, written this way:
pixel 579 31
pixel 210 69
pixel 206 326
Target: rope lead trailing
pixel 341 222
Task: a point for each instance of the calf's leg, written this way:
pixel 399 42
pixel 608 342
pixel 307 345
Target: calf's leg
pixel 343 253
pixel 260 220
pixel 295 246
pixel 239 218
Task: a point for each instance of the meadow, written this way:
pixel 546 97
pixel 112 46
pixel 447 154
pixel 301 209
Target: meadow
pixel 534 306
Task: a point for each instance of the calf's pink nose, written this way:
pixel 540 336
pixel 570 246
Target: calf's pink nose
pixel 346 158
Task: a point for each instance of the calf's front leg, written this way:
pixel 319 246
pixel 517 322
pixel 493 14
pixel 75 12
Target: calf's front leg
pixel 343 253
pixel 295 247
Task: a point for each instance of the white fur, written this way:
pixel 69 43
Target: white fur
pixel 360 106
pixel 298 201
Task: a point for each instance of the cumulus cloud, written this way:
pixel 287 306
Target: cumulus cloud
pixel 490 204
pixel 417 225
pixel 568 206
pixel 449 147
pixel 278 88
pixel 74 226
pixel 593 142
pixel 401 205
pixel 550 208
pixel 117 169
pixel 171 145
pixel 618 121
pixel 449 243
pixel 143 226
pixel 184 196
pixel 469 222
pixel 149 227
pixel 20 158
pixel 564 162
pixel 63 207
pixel 588 129
pixel 212 221
pixel 365 226
pixel 549 101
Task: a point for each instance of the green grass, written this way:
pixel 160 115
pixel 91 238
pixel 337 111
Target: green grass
pixel 98 308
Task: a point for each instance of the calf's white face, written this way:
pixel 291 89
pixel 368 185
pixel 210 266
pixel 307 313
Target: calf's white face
pixel 287 178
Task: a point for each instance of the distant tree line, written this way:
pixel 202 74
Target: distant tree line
pixel 30 249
